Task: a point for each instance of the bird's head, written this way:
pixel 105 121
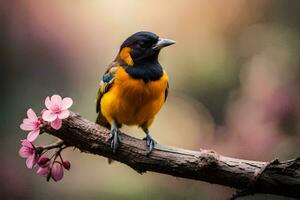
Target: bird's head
pixel 142 47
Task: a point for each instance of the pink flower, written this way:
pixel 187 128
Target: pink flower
pixel 57 171
pixel 44 166
pixel 43 171
pixel 57 110
pixel 28 151
pixel 33 124
pixel 43 161
pixel 52 169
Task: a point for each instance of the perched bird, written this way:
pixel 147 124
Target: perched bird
pixel 134 87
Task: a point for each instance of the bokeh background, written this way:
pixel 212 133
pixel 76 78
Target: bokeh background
pixel 234 86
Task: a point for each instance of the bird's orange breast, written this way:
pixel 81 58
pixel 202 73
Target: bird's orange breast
pixel 132 101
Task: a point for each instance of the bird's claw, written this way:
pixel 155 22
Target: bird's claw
pixel 115 139
pixel 150 142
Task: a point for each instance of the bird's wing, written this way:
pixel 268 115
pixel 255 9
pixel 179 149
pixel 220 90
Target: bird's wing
pixel 106 82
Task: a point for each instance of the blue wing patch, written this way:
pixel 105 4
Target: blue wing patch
pixel 105 83
pixel 107 78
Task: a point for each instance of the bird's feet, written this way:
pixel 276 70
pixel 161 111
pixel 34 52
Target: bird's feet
pixel 115 139
pixel 150 142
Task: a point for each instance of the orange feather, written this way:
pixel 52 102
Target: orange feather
pixel 132 101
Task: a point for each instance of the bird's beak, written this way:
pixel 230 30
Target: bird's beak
pixel 163 43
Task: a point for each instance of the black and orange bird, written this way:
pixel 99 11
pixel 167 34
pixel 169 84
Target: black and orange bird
pixel 134 87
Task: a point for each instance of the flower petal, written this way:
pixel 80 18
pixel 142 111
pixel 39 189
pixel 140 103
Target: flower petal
pixel 49 116
pixel 31 161
pixel 57 171
pixel 64 114
pixel 43 171
pixel 26 143
pixel 67 103
pixel 56 100
pixel 27 121
pixel 31 115
pixel 48 103
pixel 33 135
pixel 25 152
pixel 56 124
pixel 27 126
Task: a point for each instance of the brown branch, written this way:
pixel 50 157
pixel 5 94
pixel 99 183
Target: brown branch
pixel 281 178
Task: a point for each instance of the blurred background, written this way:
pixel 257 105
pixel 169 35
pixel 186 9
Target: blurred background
pixel 234 86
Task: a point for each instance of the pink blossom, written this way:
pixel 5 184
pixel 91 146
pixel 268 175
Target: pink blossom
pixel 43 171
pixel 44 166
pixel 43 161
pixel 28 151
pixel 33 124
pixel 57 171
pixel 57 110
pixel 56 124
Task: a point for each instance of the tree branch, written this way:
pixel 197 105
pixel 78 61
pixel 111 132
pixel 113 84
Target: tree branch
pixel 280 178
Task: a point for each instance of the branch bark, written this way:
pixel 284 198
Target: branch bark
pixel 280 178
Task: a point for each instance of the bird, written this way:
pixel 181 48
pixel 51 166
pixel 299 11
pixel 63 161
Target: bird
pixel 134 87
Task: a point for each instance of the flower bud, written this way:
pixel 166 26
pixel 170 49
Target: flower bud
pixel 57 171
pixel 66 164
pixel 43 162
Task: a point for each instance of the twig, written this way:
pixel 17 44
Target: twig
pixel 59 143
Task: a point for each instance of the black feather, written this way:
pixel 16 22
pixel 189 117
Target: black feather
pixel 147 72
